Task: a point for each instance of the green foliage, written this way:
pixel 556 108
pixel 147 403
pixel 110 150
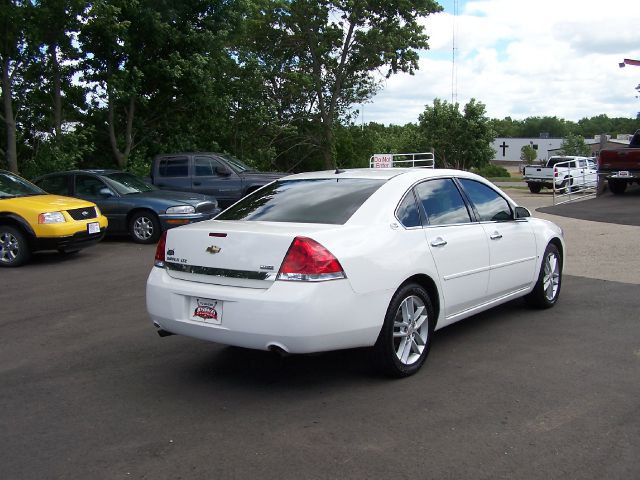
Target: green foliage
pixel 559 128
pixel 492 171
pixel 272 82
pixel 318 56
pixel 574 145
pixel 58 153
pixel 528 154
pixel 459 139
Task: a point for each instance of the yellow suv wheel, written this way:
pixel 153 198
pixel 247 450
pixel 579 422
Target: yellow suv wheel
pixel 14 247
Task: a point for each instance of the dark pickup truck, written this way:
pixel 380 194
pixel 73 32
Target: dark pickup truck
pixel 620 167
pixel 220 175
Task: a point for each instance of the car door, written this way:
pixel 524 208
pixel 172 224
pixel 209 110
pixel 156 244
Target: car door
pixel 512 244
pixel 212 177
pixel 92 188
pixel 588 173
pixel 458 245
pixel 172 173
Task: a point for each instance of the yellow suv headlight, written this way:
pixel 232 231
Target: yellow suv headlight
pixel 51 217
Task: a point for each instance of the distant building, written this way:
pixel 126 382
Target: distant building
pixel 507 150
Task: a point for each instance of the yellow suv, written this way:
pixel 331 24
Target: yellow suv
pixel 31 219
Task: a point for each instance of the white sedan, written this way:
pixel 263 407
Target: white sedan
pixel 353 258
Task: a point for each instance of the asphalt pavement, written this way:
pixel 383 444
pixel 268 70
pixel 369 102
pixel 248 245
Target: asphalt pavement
pixel 88 390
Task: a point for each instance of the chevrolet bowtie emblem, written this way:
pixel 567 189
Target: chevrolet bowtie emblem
pixel 213 249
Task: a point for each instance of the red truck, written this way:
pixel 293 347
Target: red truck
pixel 621 166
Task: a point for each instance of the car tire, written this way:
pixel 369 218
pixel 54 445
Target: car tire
pixel 572 187
pixel 14 247
pixel 144 227
pixel 405 338
pixel 617 187
pixel 562 188
pixel 534 187
pixel 546 291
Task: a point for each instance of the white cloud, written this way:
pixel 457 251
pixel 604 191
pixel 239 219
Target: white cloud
pixel 549 57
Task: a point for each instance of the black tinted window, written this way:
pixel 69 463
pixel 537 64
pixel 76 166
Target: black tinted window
pixel 489 204
pixel 89 186
pixel 442 202
pixel 57 184
pixel 174 167
pixel 304 201
pixel 407 211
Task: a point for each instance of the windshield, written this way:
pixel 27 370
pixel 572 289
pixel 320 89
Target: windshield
pixel 236 164
pixel 13 186
pixel 331 201
pixel 126 183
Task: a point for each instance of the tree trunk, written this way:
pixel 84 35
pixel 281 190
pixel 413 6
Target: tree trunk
pixel 57 95
pixel 9 119
pixel 326 146
pixel 121 156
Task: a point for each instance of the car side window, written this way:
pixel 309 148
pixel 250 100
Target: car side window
pixel 89 186
pixel 442 202
pixel 205 166
pixel 57 184
pixel 174 167
pixel 407 212
pixel 491 206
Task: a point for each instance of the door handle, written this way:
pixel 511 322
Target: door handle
pixel 438 242
pixel 495 236
pixel 197 184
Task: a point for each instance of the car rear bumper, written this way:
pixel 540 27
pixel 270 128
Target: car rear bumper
pixel 297 317
pixel 631 175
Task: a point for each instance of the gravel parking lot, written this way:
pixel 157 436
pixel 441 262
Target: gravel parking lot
pixel 88 390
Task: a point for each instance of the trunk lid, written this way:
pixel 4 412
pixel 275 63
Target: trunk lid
pixel 233 253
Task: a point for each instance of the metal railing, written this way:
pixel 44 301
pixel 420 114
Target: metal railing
pixel 400 160
pixel 577 182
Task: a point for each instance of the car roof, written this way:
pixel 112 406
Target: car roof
pixel 415 173
pixel 94 171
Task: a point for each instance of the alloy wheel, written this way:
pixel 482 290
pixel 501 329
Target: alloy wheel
pixel 410 330
pixel 551 278
pixel 143 228
pixel 9 247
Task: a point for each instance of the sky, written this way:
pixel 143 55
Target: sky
pixel 522 58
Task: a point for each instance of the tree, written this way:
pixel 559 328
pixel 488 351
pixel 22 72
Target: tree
pixel 14 59
pixel 528 154
pixel 54 24
pixel 459 139
pixel 159 71
pixel 574 145
pixel 328 50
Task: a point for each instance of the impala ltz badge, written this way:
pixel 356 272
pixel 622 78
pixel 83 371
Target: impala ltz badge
pixel 213 249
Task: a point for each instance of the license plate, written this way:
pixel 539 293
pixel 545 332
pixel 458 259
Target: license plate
pixel 93 227
pixel 206 310
pixel 623 174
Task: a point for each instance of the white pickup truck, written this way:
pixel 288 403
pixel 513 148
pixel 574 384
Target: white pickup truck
pixel 562 174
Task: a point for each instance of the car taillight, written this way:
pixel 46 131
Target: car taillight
pixel 162 243
pixel 308 261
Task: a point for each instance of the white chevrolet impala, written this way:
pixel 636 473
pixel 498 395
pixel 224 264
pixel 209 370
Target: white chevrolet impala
pixel 353 258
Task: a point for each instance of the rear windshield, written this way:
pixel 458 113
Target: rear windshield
pixel 330 201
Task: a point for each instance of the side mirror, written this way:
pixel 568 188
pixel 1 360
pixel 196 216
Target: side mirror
pixel 105 192
pixel 521 212
pixel 224 171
